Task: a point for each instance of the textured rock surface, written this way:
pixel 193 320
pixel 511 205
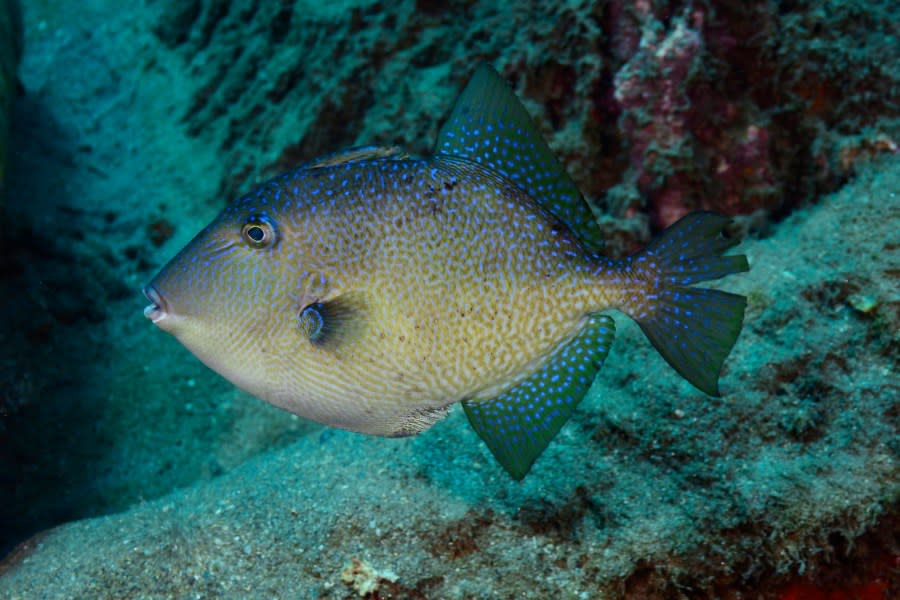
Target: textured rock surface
pixel 138 125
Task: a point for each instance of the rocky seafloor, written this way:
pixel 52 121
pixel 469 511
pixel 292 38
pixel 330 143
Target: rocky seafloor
pixel 127 469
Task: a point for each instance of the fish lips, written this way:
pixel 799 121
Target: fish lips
pixel 157 310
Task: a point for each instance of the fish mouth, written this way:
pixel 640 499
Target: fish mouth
pixel 157 310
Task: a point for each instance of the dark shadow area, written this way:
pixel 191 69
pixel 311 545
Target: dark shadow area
pixel 52 299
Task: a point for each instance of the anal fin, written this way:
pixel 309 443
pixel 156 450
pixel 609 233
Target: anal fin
pixel 519 424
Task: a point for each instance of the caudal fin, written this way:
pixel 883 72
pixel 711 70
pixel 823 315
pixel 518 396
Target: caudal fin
pixel 693 328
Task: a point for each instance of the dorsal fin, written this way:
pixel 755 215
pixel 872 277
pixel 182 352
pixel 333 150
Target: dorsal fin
pixel 355 154
pixel 490 126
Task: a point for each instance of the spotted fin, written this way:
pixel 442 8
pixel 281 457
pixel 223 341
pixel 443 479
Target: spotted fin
pixel 490 126
pixel 519 424
pixel 693 328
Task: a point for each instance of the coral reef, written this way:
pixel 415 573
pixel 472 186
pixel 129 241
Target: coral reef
pixel 136 126
pixel 731 107
pixel 720 103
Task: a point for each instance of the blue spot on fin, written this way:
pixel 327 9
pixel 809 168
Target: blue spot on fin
pixel 694 328
pixel 490 126
pixel 520 423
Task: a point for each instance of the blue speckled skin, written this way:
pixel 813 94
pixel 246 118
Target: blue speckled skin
pixel 464 286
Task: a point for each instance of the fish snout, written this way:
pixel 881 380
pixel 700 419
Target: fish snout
pixel 157 310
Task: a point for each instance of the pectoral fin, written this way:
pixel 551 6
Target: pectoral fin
pixel 335 323
pixel 520 423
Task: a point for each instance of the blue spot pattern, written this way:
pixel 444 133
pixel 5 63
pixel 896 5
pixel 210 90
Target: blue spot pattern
pixel 490 126
pixel 693 328
pixel 690 251
pixel 520 423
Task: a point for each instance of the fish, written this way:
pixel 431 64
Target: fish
pixel 370 290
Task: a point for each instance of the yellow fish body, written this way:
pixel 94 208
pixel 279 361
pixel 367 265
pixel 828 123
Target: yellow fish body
pixel 371 291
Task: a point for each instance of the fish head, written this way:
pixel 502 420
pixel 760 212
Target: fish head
pixel 226 297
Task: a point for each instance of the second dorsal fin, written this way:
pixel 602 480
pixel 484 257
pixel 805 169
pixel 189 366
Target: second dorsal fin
pixel 490 126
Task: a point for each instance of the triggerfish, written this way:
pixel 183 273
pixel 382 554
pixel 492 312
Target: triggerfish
pixel 372 291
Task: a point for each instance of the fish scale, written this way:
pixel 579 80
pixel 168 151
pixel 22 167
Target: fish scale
pixel 372 291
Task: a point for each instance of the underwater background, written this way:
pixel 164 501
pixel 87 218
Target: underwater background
pixel 129 470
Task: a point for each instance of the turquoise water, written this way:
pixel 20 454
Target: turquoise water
pixel 127 469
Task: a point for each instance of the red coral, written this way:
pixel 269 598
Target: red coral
pixel 689 146
pixel 876 584
pixel 743 171
pixel 875 590
pixel 651 89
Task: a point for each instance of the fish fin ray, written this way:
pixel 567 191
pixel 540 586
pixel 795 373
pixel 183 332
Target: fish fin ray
pixel 694 329
pixel 489 126
pixel 689 251
pixel 519 424
pixel 417 421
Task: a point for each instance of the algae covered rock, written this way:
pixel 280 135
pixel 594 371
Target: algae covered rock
pixel 10 52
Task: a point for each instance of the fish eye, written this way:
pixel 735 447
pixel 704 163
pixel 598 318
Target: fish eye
pixel 258 232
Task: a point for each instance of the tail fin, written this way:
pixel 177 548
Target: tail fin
pixel 693 328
